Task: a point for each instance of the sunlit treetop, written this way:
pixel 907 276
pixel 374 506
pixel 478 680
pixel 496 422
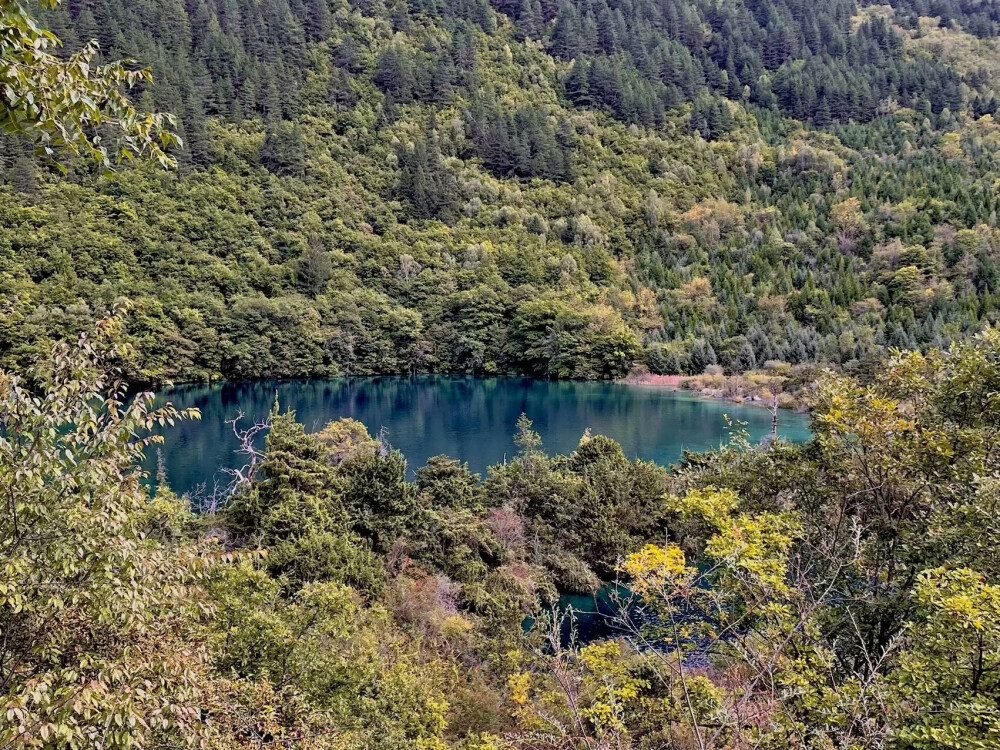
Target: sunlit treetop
pixel 72 104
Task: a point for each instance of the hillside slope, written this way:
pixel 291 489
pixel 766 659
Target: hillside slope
pixel 556 189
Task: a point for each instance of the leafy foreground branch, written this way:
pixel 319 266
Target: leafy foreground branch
pixel 98 594
pixel 838 594
pixel 74 104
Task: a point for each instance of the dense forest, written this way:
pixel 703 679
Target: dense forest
pixel 560 189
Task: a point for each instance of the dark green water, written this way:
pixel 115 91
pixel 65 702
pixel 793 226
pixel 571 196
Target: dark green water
pixel 469 418
pixel 593 617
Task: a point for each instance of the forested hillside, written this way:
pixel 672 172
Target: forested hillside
pixel 562 189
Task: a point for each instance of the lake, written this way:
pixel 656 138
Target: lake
pixel 472 419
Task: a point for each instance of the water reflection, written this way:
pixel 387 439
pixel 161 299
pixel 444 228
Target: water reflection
pixel 469 418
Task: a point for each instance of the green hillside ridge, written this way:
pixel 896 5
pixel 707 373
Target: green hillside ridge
pixel 456 187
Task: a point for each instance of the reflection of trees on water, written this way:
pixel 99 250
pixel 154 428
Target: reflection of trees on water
pixel 469 418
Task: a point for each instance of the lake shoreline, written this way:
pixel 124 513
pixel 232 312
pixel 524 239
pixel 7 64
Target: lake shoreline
pixel 673 383
pixel 723 388
pixel 473 420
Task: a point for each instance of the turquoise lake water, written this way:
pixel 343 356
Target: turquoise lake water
pixel 472 419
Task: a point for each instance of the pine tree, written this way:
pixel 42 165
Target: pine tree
pixel 578 84
pixel 394 74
